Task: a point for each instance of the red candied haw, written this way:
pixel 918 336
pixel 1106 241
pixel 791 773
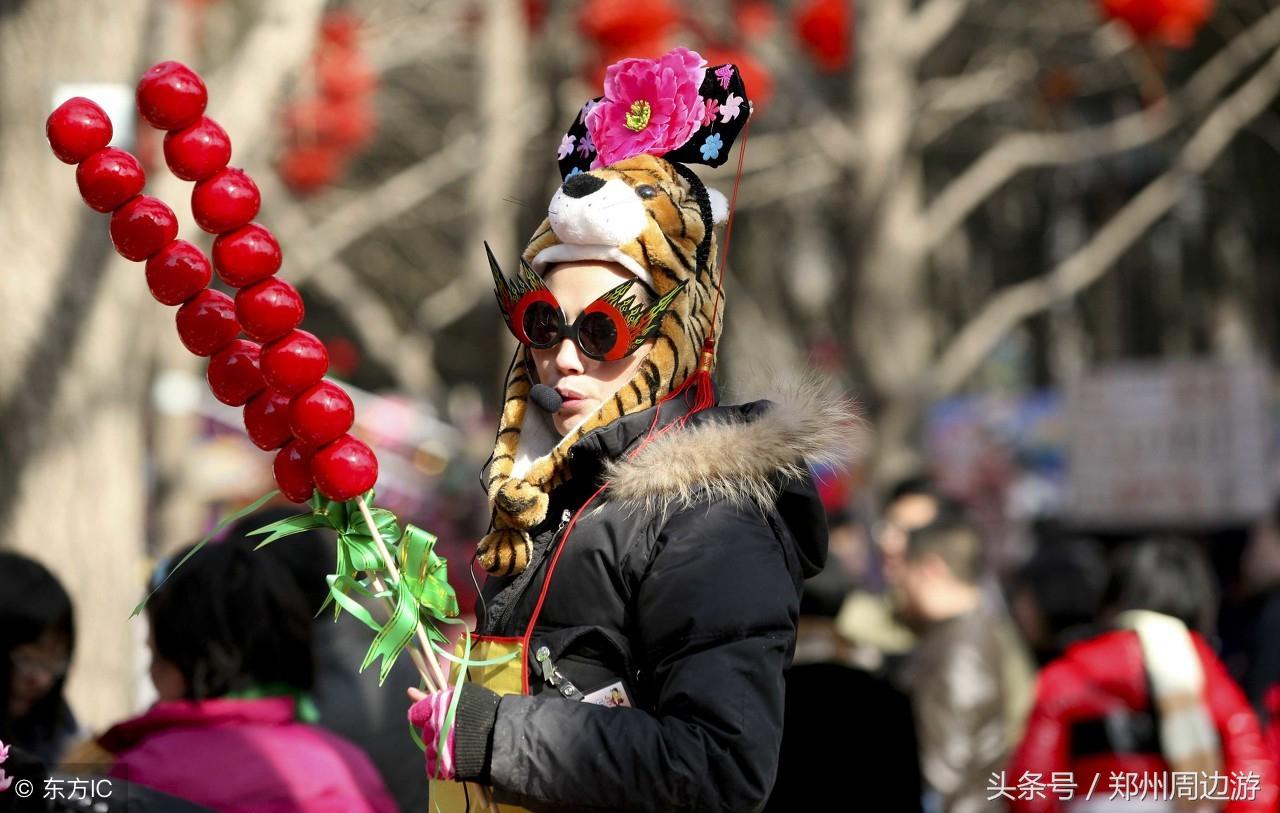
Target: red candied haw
pixel 344 469
pixel 177 272
pixel 321 414
pixel 266 419
pixel 294 362
pixel 225 200
pixel 207 323
pixel 196 152
pixel 269 309
pixel 109 178
pixel 171 96
pixel 246 255
pixel 76 129
pixel 233 373
pixel 142 227
pixel 292 468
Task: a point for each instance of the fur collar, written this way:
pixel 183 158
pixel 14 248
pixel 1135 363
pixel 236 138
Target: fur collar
pixel 738 459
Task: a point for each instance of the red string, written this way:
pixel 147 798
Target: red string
pixel 697 388
pixel 728 228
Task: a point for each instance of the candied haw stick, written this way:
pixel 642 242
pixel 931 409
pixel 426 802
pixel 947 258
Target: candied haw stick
pixel 280 383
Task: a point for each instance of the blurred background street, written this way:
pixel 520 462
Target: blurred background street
pixel 1035 241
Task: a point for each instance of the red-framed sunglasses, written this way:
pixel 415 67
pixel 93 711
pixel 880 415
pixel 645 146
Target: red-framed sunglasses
pixel 612 327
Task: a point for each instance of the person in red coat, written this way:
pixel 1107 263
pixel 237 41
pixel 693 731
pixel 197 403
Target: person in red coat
pixel 1122 720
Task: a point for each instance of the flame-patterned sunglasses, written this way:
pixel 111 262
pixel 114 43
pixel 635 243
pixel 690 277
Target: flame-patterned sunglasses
pixel 612 327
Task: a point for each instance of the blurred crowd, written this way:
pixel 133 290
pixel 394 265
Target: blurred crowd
pixel 1089 676
pixel 1104 671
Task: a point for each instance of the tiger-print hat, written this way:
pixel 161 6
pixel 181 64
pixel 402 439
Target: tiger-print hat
pixel 629 198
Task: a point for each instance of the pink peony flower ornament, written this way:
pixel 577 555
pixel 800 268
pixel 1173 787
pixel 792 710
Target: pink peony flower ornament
pixel 650 106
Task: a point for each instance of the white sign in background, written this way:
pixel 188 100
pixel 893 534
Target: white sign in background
pixel 1180 443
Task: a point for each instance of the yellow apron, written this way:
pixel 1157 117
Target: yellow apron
pixel 503 678
pixel 511 676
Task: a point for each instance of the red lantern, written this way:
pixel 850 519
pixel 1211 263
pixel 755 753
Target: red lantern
pixel 344 74
pixel 756 18
pixel 826 29
pixel 339 28
pixel 535 14
pixel 342 124
pixel 620 24
pixel 344 357
pixel 1173 22
pixel 639 49
pixel 307 170
pixel 323 131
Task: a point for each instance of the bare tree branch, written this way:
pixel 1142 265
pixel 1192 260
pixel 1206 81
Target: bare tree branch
pixel 285 28
pixel 787 179
pixel 1011 306
pixel 828 130
pixel 1016 152
pixel 836 143
pixel 933 21
pixel 326 238
pixel 972 89
pixel 947 101
pixel 407 355
pixel 434 36
pixel 451 302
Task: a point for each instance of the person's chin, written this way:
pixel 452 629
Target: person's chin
pixel 572 414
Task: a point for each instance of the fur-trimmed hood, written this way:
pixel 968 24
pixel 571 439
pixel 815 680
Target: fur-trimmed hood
pixel 742 454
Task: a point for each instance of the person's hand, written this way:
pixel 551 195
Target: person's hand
pixel 428 714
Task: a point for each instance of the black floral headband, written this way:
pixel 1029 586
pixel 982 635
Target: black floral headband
pixel 675 107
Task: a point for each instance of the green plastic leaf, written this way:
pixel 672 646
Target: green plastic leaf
pixel 361 553
pixel 383 520
pixel 340 589
pixel 334 512
pixel 288 527
pixel 217 529
pixel 426 574
pixel 394 636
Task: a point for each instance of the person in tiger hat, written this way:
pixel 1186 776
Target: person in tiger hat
pixel 647 546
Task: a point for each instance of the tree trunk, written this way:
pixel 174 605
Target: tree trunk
pixel 891 329
pixel 72 382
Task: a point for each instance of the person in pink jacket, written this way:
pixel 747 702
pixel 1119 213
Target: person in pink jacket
pixel 231 661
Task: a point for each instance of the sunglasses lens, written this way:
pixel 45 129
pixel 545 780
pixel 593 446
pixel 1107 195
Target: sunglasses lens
pixel 542 324
pixel 597 335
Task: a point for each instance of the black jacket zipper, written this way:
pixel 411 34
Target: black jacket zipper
pixel 527 576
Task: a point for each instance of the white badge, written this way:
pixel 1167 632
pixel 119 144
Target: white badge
pixel 612 696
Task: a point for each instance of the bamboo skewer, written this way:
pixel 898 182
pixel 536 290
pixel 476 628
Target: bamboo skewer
pixel 440 682
pixel 486 798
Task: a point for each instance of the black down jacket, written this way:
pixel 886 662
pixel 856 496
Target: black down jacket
pixel 680 580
